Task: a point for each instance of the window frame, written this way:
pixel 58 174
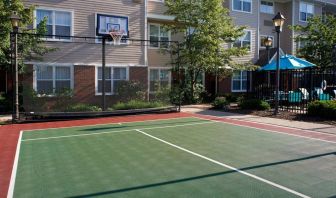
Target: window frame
pixel 233 9
pixel 112 80
pixel 269 1
pixel 241 41
pixel 159 43
pixel 53 10
pixel 241 82
pixel 53 77
pixel 159 68
pixel 306 3
pixel 260 41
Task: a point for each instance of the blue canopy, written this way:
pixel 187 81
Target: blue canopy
pixel 288 62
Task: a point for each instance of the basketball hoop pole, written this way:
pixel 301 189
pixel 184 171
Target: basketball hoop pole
pixel 103 73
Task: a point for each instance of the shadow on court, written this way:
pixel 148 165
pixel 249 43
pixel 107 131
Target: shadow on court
pixel 134 126
pixel 200 176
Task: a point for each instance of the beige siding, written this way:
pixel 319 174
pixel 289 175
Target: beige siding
pixel 155 7
pixel 251 21
pixel 84 25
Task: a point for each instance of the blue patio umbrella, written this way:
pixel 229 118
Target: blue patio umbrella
pixel 288 62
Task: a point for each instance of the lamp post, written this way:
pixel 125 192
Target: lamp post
pixel 268 44
pixel 278 22
pixel 15 19
pixel 334 55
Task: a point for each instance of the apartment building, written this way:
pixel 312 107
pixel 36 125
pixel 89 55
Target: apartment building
pixel 77 65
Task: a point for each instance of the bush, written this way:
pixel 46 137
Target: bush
pixel 80 107
pixel 131 90
pixel 220 102
pixel 254 104
pixel 325 109
pixel 135 104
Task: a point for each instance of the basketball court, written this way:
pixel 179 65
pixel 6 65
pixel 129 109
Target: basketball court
pixel 188 156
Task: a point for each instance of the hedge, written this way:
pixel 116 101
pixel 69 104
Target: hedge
pixel 325 109
pixel 254 104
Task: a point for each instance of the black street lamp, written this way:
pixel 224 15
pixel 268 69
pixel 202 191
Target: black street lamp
pixel 15 19
pixel 278 22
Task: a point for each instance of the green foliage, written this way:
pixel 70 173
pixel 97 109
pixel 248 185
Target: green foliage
pixel 325 109
pixel 63 100
pixel 31 102
pixel 206 27
pixel 5 103
pixel 29 47
pixel 80 107
pixel 136 104
pixel 319 36
pixel 254 104
pixel 162 95
pixel 131 90
pixel 220 103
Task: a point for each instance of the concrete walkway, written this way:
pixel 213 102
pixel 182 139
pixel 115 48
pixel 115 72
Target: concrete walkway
pixel 204 110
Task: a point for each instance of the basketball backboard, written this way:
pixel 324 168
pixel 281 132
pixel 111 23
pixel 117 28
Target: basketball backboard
pixel 108 23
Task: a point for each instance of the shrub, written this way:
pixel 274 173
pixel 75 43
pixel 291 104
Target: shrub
pixel 131 90
pixel 220 102
pixel 254 104
pixel 80 107
pixel 325 109
pixel 135 104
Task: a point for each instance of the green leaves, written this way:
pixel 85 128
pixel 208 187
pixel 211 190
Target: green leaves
pixel 317 39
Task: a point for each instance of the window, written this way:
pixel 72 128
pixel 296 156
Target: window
pixel 244 41
pixel 306 11
pixel 242 5
pixel 158 33
pixel 301 44
pixel 267 7
pixel 113 77
pixel 239 81
pixel 262 40
pixel 59 23
pixel 158 78
pixel 53 79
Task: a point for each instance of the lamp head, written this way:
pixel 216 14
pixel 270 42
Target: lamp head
pixel 268 42
pixel 278 22
pixel 15 19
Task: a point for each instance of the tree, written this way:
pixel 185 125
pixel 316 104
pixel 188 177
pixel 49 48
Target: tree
pixel 30 46
pixel 318 38
pixel 208 29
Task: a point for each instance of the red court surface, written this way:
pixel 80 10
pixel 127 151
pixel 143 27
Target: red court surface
pixel 9 134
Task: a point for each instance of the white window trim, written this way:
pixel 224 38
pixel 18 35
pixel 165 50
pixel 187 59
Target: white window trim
pixel 72 14
pixel 107 42
pixel 54 76
pixel 242 10
pixel 262 35
pixel 306 12
pixel 250 50
pixel 272 6
pixel 159 68
pixel 157 24
pixel 241 84
pixel 161 1
pixel 112 70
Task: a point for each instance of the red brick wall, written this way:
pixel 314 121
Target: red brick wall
pixel 84 84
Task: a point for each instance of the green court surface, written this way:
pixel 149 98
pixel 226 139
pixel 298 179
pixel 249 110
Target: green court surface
pixel 185 157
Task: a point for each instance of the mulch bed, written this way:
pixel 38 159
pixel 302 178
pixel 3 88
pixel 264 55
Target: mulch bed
pixel 282 115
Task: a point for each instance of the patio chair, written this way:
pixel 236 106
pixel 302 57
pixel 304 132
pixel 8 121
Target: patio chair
pixel 295 97
pixel 324 96
pixel 305 93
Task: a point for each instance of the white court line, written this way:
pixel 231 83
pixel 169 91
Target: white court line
pixel 227 166
pixel 10 192
pixel 260 129
pixel 100 133
pixel 113 123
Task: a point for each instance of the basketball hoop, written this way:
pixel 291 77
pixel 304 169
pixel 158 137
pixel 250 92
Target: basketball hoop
pixel 116 36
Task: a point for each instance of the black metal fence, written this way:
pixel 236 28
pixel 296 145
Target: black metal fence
pixel 297 87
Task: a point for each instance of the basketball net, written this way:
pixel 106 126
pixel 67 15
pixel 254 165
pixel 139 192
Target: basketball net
pixel 116 36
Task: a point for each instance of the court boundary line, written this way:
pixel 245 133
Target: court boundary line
pixel 126 130
pixel 11 187
pixel 116 123
pixel 269 130
pixel 226 165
